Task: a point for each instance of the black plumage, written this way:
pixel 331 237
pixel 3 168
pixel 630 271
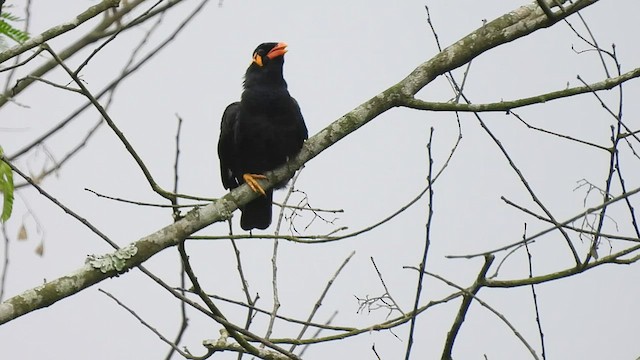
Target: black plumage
pixel 260 132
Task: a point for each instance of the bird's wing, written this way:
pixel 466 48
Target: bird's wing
pixel 226 145
pixel 302 127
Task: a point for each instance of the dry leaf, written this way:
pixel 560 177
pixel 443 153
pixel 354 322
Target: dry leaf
pixel 40 249
pixel 22 233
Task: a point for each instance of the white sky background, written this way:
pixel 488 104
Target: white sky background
pixel 340 54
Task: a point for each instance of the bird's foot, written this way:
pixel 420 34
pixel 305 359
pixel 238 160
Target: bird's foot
pixel 250 179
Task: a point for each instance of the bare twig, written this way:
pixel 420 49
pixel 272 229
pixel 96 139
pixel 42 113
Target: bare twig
pixel 5 263
pixel 17 63
pixel 467 298
pixel 245 285
pixel 60 205
pixel 488 307
pixel 318 331
pixel 155 331
pixel 287 319
pixel 535 297
pixel 218 316
pixel 524 182
pixel 174 201
pixel 140 203
pixel 387 325
pixel 556 225
pixel 111 38
pixel 387 293
pixel 160 191
pixel 562 136
pixel 321 298
pixel 67 156
pixel 427 242
pixel 569 227
pixel 184 323
pixel 274 259
pixel 595 44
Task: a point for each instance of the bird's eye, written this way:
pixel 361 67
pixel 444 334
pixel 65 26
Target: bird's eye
pixel 257 58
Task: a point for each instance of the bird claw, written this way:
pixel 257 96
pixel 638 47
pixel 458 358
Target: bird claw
pixel 250 179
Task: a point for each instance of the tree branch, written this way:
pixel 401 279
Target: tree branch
pixel 607 84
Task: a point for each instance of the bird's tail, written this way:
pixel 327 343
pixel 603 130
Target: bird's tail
pixel 257 213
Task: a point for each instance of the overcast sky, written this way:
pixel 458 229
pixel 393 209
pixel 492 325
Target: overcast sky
pixel 341 53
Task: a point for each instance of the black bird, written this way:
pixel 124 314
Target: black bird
pixel 260 132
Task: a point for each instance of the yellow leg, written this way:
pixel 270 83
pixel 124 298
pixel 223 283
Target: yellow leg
pixel 250 179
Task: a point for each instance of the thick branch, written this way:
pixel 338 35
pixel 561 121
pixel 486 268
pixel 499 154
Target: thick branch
pixel 99 269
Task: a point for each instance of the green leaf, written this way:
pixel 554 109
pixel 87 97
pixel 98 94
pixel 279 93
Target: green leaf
pixel 8 30
pixel 13 33
pixel 9 16
pixel 6 188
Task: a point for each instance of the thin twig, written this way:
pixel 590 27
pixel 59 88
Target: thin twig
pixel 219 317
pixel 562 136
pixel 17 63
pixel 595 44
pixel 134 154
pixel 490 308
pixel 59 204
pixel 387 293
pixel 265 312
pixel 467 298
pixel 569 227
pixel 386 325
pixel 110 39
pixel 140 203
pixel 321 298
pixel 174 201
pixel 154 330
pixel 5 263
pixel 274 259
pixel 318 331
pixel 184 323
pixel 66 157
pixel 245 285
pixel 535 297
pixel 427 242
pixel 556 225
pixel 524 182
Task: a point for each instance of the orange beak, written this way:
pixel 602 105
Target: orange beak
pixel 279 50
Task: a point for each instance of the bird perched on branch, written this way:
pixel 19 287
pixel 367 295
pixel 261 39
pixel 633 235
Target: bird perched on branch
pixel 260 132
